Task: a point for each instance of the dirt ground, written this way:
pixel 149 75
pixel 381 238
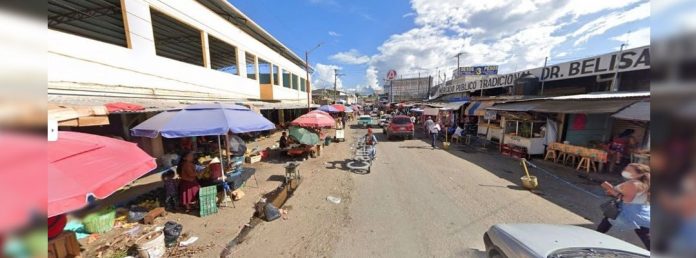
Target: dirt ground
pixel 308 231
pixel 416 202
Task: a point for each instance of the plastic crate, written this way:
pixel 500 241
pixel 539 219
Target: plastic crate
pixel 101 221
pixel 207 199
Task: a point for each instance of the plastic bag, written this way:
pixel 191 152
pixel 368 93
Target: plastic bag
pixel 271 212
pixel 136 213
pixel 172 231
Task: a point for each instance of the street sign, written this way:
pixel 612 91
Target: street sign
pixel 391 75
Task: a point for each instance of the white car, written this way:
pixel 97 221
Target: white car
pixel 555 241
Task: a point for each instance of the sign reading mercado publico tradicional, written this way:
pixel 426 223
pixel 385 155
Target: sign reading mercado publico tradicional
pixel 629 60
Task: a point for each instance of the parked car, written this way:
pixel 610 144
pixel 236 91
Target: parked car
pixel 365 121
pixel 384 120
pixel 400 126
pixel 555 241
pixel 374 113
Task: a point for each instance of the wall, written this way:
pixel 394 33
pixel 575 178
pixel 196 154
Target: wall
pixel 85 66
pixel 597 128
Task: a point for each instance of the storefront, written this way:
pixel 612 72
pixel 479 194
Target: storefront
pixel 583 120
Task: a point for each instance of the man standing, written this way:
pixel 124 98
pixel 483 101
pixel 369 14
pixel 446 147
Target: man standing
pixel 343 121
pixel 433 128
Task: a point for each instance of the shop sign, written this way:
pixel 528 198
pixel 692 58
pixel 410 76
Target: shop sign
pixel 476 70
pixel 626 60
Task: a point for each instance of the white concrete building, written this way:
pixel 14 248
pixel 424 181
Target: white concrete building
pixel 166 51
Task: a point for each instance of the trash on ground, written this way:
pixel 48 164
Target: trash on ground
pixel 334 200
pixel 189 241
pixel 271 212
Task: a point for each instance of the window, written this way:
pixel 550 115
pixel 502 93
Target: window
pixel 286 79
pixel 264 72
pixel 223 56
pixel 176 40
pixel 100 20
pixel 251 66
pixel 303 84
pixel 275 75
pixel 294 82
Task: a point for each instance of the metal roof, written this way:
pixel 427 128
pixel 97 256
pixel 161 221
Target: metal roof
pixel 639 111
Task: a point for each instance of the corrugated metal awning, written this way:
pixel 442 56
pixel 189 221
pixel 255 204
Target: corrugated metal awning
pixel 583 106
pixel 588 106
pixel 454 105
pixel 639 111
pixel 522 106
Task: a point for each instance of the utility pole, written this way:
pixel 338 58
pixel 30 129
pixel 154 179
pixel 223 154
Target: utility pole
pixel 309 87
pixel 614 82
pixel 336 74
pixel 459 54
pixel 542 76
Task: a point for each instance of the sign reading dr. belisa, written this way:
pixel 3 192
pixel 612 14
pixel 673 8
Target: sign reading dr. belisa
pixel 629 60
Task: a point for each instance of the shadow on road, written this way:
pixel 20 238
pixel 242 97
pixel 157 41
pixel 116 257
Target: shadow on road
pixel 344 165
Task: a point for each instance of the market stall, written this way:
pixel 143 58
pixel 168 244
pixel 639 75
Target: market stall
pixel 208 120
pixel 525 134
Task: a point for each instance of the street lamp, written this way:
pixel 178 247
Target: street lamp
pixel 309 87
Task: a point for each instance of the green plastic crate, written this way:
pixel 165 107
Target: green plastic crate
pixel 207 199
pixel 101 221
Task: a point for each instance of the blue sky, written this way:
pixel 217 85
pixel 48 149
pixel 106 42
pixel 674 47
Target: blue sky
pixel 367 38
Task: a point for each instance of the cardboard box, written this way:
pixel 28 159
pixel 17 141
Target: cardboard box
pixel 253 159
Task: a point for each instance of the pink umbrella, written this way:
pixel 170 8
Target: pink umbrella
pixel 81 164
pixel 339 107
pixel 314 120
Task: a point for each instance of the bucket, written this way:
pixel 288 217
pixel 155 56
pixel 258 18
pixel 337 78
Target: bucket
pixel 530 182
pixel 445 145
pixel 151 245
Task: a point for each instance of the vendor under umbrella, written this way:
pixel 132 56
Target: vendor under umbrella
pixel 188 185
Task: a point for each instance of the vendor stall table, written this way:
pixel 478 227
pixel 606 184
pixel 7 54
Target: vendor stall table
pixel 587 156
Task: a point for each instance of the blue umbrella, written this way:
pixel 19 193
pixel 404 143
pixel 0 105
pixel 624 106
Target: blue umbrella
pixel 349 110
pixel 203 119
pixel 329 108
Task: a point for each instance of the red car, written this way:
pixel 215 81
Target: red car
pixel 400 126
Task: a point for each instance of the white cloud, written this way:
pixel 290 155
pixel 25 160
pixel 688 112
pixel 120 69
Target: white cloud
pixel 637 38
pixel 350 57
pixel 408 15
pixel 607 22
pixel 323 77
pixel 334 34
pixel 516 34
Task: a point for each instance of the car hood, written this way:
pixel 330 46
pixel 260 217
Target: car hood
pixel 543 239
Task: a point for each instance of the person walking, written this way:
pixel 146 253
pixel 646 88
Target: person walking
pixel 635 194
pixel 433 128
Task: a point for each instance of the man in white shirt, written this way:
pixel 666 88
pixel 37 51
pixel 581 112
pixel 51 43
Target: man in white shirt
pixel 433 129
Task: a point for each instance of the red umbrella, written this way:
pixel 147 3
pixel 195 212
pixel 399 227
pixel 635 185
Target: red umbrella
pixel 314 120
pixel 320 112
pixel 22 179
pixel 122 106
pixel 339 107
pixel 83 164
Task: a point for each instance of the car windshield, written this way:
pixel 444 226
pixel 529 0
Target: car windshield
pixel 401 120
pixel 593 252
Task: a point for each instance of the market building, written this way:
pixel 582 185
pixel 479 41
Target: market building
pixel 408 89
pixel 162 55
pixel 582 105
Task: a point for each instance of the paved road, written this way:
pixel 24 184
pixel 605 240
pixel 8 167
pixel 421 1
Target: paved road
pixel 419 202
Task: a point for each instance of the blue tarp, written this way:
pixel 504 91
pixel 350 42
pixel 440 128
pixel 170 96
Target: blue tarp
pixel 473 107
pixel 201 120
